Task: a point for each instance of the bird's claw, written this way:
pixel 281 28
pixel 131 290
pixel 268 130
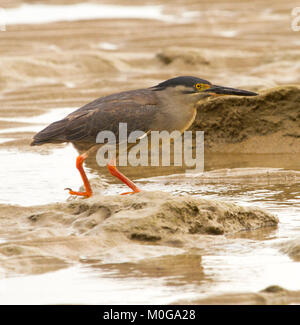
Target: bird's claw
pixel 71 192
pixel 134 192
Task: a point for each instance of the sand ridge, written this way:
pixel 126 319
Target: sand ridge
pixel 63 232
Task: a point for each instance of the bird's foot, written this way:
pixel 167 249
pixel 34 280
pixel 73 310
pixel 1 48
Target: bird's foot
pixel 134 192
pixel 88 191
pixel 86 194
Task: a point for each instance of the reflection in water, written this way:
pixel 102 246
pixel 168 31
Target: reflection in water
pixel 176 270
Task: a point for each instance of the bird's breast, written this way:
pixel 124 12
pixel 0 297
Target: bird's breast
pixel 189 119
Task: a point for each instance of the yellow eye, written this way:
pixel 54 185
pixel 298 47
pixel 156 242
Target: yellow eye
pixel 200 87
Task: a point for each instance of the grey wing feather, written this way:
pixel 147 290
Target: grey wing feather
pixel 136 108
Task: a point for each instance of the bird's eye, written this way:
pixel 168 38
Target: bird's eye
pixel 200 87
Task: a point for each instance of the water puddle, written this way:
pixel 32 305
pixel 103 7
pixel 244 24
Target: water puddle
pixel 27 174
pixel 79 286
pixel 42 119
pixel 41 13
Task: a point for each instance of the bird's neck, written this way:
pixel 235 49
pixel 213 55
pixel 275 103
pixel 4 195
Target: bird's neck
pixel 179 111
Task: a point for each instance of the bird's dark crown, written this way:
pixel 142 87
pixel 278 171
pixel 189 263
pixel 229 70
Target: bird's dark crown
pixel 186 81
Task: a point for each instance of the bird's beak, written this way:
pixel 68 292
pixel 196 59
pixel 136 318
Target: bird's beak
pixel 220 90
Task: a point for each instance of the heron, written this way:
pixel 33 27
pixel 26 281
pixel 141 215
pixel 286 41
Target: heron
pixel 170 105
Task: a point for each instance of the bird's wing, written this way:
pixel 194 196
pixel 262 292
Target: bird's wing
pixel 136 108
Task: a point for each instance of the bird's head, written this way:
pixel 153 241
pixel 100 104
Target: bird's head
pixel 197 89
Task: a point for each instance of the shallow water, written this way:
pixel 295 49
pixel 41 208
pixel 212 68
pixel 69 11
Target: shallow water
pixel 243 262
pixel 42 13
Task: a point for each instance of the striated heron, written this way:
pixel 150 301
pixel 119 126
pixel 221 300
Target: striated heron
pixel 170 105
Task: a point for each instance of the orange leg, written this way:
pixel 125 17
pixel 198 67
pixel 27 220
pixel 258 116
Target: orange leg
pixel 114 171
pixel 88 191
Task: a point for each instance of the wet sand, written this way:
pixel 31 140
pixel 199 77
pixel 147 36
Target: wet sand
pixel 273 295
pixel 55 246
pixel 90 227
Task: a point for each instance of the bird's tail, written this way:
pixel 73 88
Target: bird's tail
pixel 53 133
